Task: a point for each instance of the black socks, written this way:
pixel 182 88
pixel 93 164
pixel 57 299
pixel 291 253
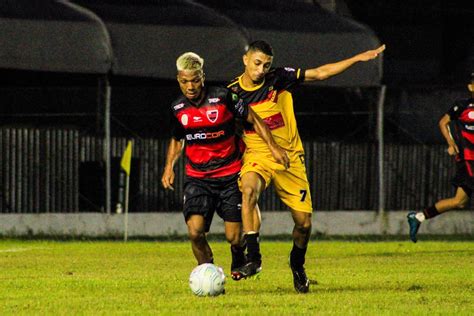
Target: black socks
pixel 297 256
pixel 253 247
pixel 238 256
pixel 431 212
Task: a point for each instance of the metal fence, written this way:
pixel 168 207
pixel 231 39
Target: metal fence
pixel 58 170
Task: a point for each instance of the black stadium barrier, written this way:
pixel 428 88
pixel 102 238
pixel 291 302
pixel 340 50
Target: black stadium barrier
pixel 58 171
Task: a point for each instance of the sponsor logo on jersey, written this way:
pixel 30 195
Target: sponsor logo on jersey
pixel 184 119
pixel 212 115
pixel 197 119
pixel 213 100
pixel 178 106
pixel 290 69
pixel 205 135
pixel 274 121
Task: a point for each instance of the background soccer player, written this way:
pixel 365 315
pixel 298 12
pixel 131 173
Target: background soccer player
pixel 204 120
pixel 461 114
pixel 266 92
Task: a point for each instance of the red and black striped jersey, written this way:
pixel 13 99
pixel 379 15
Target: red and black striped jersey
pixel 462 116
pixel 273 102
pixel 209 132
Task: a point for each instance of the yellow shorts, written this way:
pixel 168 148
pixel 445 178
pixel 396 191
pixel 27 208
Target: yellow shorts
pixel 291 184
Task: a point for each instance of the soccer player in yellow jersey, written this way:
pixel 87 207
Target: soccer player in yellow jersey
pixel 265 89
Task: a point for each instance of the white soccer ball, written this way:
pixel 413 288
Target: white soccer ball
pixel 207 279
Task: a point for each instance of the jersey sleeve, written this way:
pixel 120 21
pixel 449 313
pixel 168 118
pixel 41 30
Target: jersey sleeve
pixel 289 77
pixel 455 111
pixel 237 105
pixel 177 130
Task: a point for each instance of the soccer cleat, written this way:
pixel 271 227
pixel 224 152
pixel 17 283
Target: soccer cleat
pixel 247 270
pixel 414 224
pixel 300 280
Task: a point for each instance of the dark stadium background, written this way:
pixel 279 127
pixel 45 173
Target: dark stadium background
pixel 429 57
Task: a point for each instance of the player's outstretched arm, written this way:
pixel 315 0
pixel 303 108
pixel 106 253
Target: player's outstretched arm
pixel 326 71
pixel 264 132
pixel 444 128
pixel 174 152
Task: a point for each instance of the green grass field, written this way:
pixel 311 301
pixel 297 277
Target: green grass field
pixel 140 278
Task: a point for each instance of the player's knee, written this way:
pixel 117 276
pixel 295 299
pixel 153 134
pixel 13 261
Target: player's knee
pixel 302 222
pixel 233 238
pixel 196 235
pixel 303 228
pixel 249 193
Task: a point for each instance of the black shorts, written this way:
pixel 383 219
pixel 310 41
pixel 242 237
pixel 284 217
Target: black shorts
pixel 462 178
pixel 206 196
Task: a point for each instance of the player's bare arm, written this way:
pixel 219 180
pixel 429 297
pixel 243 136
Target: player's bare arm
pixel 444 128
pixel 264 132
pixel 174 152
pixel 329 70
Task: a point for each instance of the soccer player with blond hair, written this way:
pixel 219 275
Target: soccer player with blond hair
pixel 203 120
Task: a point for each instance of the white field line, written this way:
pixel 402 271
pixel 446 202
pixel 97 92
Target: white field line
pixel 20 249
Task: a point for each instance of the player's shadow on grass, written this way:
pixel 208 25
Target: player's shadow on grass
pixel 404 253
pixel 371 288
pixel 327 288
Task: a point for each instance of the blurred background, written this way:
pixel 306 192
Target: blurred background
pixel 80 78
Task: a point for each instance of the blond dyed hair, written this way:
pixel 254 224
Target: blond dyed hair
pixel 190 62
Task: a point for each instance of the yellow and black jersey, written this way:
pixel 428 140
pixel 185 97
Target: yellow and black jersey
pixel 273 102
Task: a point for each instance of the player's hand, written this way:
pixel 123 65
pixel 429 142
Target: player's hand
pixel 371 54
pixel 280 155
pixel 453 150
pixel 167 179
